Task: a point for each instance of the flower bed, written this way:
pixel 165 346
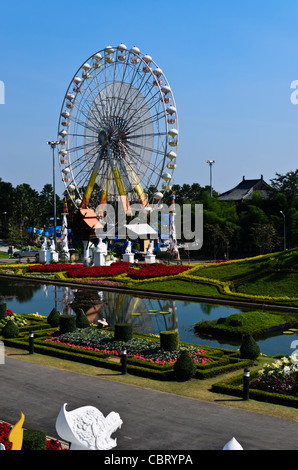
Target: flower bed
pixel 138 348
pixel 5 428
pixel 279 377
pixel 97 271
pixel 53 267
pixel 280 388
pixel 19 320
pixel 147 271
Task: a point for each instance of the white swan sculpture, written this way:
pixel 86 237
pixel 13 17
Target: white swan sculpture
pixel 86 428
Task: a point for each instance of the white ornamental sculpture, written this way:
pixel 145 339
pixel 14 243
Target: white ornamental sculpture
pixel 233 444
pixel 86 428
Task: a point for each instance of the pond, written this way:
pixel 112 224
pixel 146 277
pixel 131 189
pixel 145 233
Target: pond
pixel 148 315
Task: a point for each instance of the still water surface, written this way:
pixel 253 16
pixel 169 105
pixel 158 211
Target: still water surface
pixel 144 313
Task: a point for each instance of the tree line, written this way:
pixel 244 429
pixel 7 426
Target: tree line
pixel 230 228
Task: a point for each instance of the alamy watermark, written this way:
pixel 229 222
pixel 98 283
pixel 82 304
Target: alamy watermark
pixel 2 92
pixel 160 222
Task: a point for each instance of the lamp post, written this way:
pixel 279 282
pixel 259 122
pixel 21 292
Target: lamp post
pixel 53 144
pixel 210 163
pixel 285 242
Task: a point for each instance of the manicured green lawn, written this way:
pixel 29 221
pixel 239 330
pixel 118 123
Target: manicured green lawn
pixel 252 323
pixel 178 286
pixel 274 284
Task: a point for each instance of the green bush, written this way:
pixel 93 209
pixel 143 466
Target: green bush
pixel 3 310
pixel 249 349
pixel 81 320
pixel 123 331
pixel 67 323
pixel 10 330
pixel 34 440
pixel 53 318
pixel 169 340
pixel 184 367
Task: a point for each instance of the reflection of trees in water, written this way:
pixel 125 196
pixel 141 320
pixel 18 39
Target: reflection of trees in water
pixel 118 308
pixel 23 291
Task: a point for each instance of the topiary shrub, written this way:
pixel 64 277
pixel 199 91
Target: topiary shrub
pixel 249 349
pixel 184 367
pixel 3 310
pixel 53 317
pixel 10 330
pixel 34 440
pixel 81 319
pixel 67 323
pixel 169 340
pixel 123 331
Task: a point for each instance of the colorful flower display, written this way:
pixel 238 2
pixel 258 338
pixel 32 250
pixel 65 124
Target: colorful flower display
pixel 279 377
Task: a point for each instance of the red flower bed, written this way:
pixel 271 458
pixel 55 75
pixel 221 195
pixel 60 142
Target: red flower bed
pixel 98 271
pixel 51 444
pixel 156 270
pixel 140 271
pixel 53 267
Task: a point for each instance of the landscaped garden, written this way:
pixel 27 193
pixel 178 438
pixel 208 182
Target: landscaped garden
pixel 165 357
pixel 270 279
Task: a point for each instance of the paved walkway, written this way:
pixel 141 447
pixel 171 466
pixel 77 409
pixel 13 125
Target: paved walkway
pixel 151 420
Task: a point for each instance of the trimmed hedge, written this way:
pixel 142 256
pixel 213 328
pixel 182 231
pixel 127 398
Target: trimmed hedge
pixel 34 440
pixel 123 331
pixel 3 310
pixel 10 330
pixel 53 317
pixel 67 323
pixel 169 340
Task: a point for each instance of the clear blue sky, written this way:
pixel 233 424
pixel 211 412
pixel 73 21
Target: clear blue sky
pixel 230 65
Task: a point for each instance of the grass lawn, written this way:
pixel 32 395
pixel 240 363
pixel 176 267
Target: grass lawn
pixel 178 286
pixel 274 284
pixel 253 323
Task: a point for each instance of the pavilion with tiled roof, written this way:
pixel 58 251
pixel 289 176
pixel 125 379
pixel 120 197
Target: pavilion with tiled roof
pixel 245 190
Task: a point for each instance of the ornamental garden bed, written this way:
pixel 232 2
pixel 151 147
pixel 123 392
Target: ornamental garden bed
pixel 145 356
pixel 276 383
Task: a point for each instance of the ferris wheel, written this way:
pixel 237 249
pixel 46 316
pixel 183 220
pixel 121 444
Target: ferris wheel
pixel 118 130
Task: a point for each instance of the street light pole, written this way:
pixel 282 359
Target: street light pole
pixel 210 163
pixel 285 242
pixel 53 145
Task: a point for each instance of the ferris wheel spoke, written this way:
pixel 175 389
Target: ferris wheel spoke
pixel 149 166
pixel 121 110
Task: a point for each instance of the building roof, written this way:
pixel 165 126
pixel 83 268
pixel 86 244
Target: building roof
pixel 245 189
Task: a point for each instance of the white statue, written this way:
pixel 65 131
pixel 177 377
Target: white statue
pixel 44 246
pixel 128 248
pixel 86 428
pixel 101 247
pixel 150 248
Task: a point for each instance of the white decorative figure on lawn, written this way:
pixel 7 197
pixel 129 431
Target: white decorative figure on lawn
pixel 86 428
